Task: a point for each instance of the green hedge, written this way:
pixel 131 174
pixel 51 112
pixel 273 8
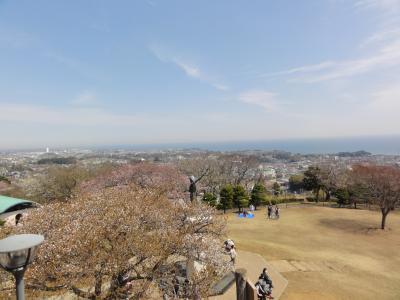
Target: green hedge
pixel 280 200
pixel 273 200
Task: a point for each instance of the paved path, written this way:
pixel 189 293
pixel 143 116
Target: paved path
pixel 284 266
pixel 254 263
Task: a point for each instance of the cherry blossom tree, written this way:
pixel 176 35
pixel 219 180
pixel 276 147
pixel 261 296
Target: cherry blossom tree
pixel 165 178
pixel 123 241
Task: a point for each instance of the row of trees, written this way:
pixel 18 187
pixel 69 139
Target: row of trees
pixel 237 196
pixel 233 196
pixel 370 184
pixel 217 172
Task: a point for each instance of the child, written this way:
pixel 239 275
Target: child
pixel 233 255
pixel 277 211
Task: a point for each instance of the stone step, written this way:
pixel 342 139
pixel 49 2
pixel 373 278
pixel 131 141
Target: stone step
pixel 254 264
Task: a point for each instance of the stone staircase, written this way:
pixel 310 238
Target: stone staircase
pixel 254 263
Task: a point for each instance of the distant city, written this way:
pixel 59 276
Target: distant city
pixel 275 165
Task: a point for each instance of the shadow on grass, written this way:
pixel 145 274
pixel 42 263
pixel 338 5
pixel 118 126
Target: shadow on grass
pixel 350 226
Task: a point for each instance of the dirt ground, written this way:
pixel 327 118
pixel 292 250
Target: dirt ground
pixel 326 253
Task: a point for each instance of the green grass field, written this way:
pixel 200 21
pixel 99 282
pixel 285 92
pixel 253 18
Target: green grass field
pixel 326 253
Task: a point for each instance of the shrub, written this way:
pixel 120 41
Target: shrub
pixel 311 199
pixel 210 199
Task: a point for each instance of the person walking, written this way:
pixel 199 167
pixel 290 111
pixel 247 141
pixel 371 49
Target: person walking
pixel 265 276
pixel 266 283
pixel 277 210
pixel 269 211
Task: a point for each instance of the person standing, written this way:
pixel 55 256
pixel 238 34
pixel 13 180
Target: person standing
pixel 229 244
pixel 269 211
pixel 277 210
pixel 266 283
pixel 233 255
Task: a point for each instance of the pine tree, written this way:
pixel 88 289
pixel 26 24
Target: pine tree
pixel 240 197
pixel 258 194
pixel 210 199
pixel 226 197
pixel 277 188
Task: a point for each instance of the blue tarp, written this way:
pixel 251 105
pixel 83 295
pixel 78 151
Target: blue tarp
pixel 248 215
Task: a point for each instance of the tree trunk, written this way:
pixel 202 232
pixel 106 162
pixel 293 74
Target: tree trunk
pixel 224 209
pixel 355 205
pixel 385 212
pixel 327 195
pixel 317 195
pixel 98 283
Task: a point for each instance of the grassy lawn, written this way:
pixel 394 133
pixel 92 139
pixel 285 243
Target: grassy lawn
pixel 341 252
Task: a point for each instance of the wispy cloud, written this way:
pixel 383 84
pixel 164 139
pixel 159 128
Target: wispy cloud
pixel 190 69
pixel 385 57
pixel 221 87
pixel 63 116
pixel 386 5
pixel 74 64
pixel 16 39
pixel 381 49
pixel 382 36
pixel 151 3
pixel 265 99
pixel 386 100
pixel 386 12
pixel 85 98
pixel 305 69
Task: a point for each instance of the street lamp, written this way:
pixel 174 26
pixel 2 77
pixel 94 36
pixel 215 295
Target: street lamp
pixel 16 253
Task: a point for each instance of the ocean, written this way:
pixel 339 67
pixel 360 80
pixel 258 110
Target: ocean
pixel 389 145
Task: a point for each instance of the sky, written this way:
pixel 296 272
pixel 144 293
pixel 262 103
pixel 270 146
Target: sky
pixel 82 73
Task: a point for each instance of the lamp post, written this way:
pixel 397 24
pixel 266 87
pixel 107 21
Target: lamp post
pixel 16 253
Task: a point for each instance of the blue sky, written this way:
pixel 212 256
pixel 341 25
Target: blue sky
pixel 81 73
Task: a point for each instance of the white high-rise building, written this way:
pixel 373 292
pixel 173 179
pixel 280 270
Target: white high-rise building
pixel 47 149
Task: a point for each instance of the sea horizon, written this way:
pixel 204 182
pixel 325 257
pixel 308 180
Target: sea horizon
pixel 385 145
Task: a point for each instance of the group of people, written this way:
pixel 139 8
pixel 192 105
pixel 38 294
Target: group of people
pixel 231 251
pixel 246 214
pixel 264 286
pixel 273 212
